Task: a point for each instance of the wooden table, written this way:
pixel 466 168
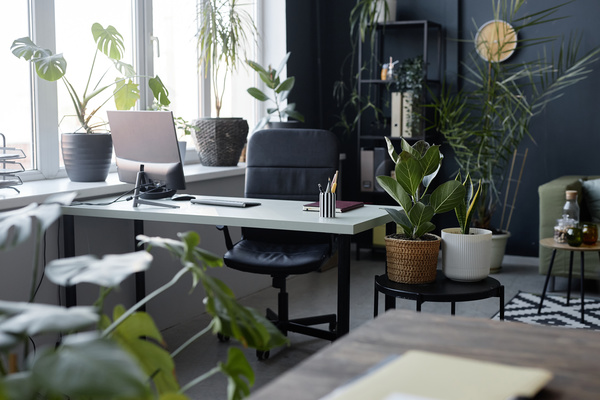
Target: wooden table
pixel 572 355
pixel 552 244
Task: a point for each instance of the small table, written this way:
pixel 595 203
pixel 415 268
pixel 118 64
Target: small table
pixel 552 244
pixel 441 290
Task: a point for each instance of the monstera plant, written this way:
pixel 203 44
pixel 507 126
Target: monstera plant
pixel 88 159
pixel 120 355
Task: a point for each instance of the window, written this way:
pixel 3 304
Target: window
pixel 35 112
pixel 15 103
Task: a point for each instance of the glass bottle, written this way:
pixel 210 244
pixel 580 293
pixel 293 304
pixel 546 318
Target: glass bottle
pixel 571 208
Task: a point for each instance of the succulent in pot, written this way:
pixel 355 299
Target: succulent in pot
pixel 412 256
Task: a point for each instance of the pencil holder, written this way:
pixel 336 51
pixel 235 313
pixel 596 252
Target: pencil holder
pixel 327 205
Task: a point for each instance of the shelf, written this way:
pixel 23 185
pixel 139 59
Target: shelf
pixel 8 158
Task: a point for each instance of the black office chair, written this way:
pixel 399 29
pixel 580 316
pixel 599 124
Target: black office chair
pixel 286 164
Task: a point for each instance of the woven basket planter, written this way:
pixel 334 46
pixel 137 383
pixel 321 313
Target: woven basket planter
pixel 219 141
pixel 412 261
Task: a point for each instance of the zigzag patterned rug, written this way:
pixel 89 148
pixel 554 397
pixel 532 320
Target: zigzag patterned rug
pixel 524 306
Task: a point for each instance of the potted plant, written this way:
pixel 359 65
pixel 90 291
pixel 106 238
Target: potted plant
pixel 409 81
pixel 466 251
pixel 121 355
pixel 223 35
pixel 87 153
pixel 487 119
pixel 280 92
pixel 412 256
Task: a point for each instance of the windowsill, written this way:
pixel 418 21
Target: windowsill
pixel 37 191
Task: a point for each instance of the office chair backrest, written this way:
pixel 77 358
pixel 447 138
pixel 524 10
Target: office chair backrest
pixel 289 164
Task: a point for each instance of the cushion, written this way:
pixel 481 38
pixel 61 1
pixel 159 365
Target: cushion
pixel 591 196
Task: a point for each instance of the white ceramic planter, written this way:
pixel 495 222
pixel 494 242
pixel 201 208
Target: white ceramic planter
pixel 381 11
pixel 466 258
pixel 498 250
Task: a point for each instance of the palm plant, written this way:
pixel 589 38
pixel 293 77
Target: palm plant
pixel 126 92
pixel 486 121
pixel 223 35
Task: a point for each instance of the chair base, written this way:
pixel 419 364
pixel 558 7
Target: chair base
pixel 304 325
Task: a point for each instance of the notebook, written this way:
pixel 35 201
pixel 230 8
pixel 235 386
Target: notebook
pixel 340 206
pixel 426 375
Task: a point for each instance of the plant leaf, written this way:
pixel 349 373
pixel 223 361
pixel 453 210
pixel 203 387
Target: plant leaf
pixel 160 92
pixel 409 174
pixel 126 93
pixel 109 271
pixel 395 190
pixel 139 335
pixel 286 85
pixel 258 94
pixel 89 367
pixel 400 218
pixel 447 196
pixel 109 41
pixel 48 66
pixel 240 376
pixel 32 319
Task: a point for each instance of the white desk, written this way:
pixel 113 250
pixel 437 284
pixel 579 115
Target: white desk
pixel 271 214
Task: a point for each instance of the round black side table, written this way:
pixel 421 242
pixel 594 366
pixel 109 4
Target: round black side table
pixel 441 290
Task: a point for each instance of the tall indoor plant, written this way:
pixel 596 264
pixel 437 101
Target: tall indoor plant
pixel 279 93
pixel 87 157
pixel 412 256
pixel 225 32
pixel 485 121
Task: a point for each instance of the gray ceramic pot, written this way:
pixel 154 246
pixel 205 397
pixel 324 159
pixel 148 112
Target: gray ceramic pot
pixel 87 157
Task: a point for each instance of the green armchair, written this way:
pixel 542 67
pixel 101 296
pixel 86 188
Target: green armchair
pixel 552 199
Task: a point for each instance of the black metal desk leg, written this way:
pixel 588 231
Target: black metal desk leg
pixel 501 295
pixel 375 301
pixel 343 306
pixel 140 277
pixel 570 278
pixel 69 251
pixel 547 279
pixel 582 290
pixel 453 308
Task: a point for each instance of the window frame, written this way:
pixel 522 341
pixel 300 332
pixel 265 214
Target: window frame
pixel 45 120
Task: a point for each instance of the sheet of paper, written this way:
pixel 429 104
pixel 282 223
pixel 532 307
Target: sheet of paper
pixel 435 376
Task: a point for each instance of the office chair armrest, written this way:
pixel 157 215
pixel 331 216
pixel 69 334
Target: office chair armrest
pixel 228 241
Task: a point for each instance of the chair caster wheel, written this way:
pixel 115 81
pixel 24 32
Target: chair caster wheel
pixel 262 355
pixel 222 338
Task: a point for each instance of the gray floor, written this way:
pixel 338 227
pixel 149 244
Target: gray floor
pixel 317 293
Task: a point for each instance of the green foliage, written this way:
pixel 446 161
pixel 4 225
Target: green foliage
pixel 487 119
pixel 464 210
pixel 363 28
pixel 223 33
pixel 416 166
pixel 109 42
pixel 280 92
pixel 123 357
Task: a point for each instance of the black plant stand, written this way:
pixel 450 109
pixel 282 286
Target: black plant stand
pixel 441 290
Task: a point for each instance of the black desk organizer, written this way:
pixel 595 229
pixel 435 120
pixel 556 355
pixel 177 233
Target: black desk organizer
pixel 10 166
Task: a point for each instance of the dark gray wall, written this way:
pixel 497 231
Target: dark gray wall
pixel 566 136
